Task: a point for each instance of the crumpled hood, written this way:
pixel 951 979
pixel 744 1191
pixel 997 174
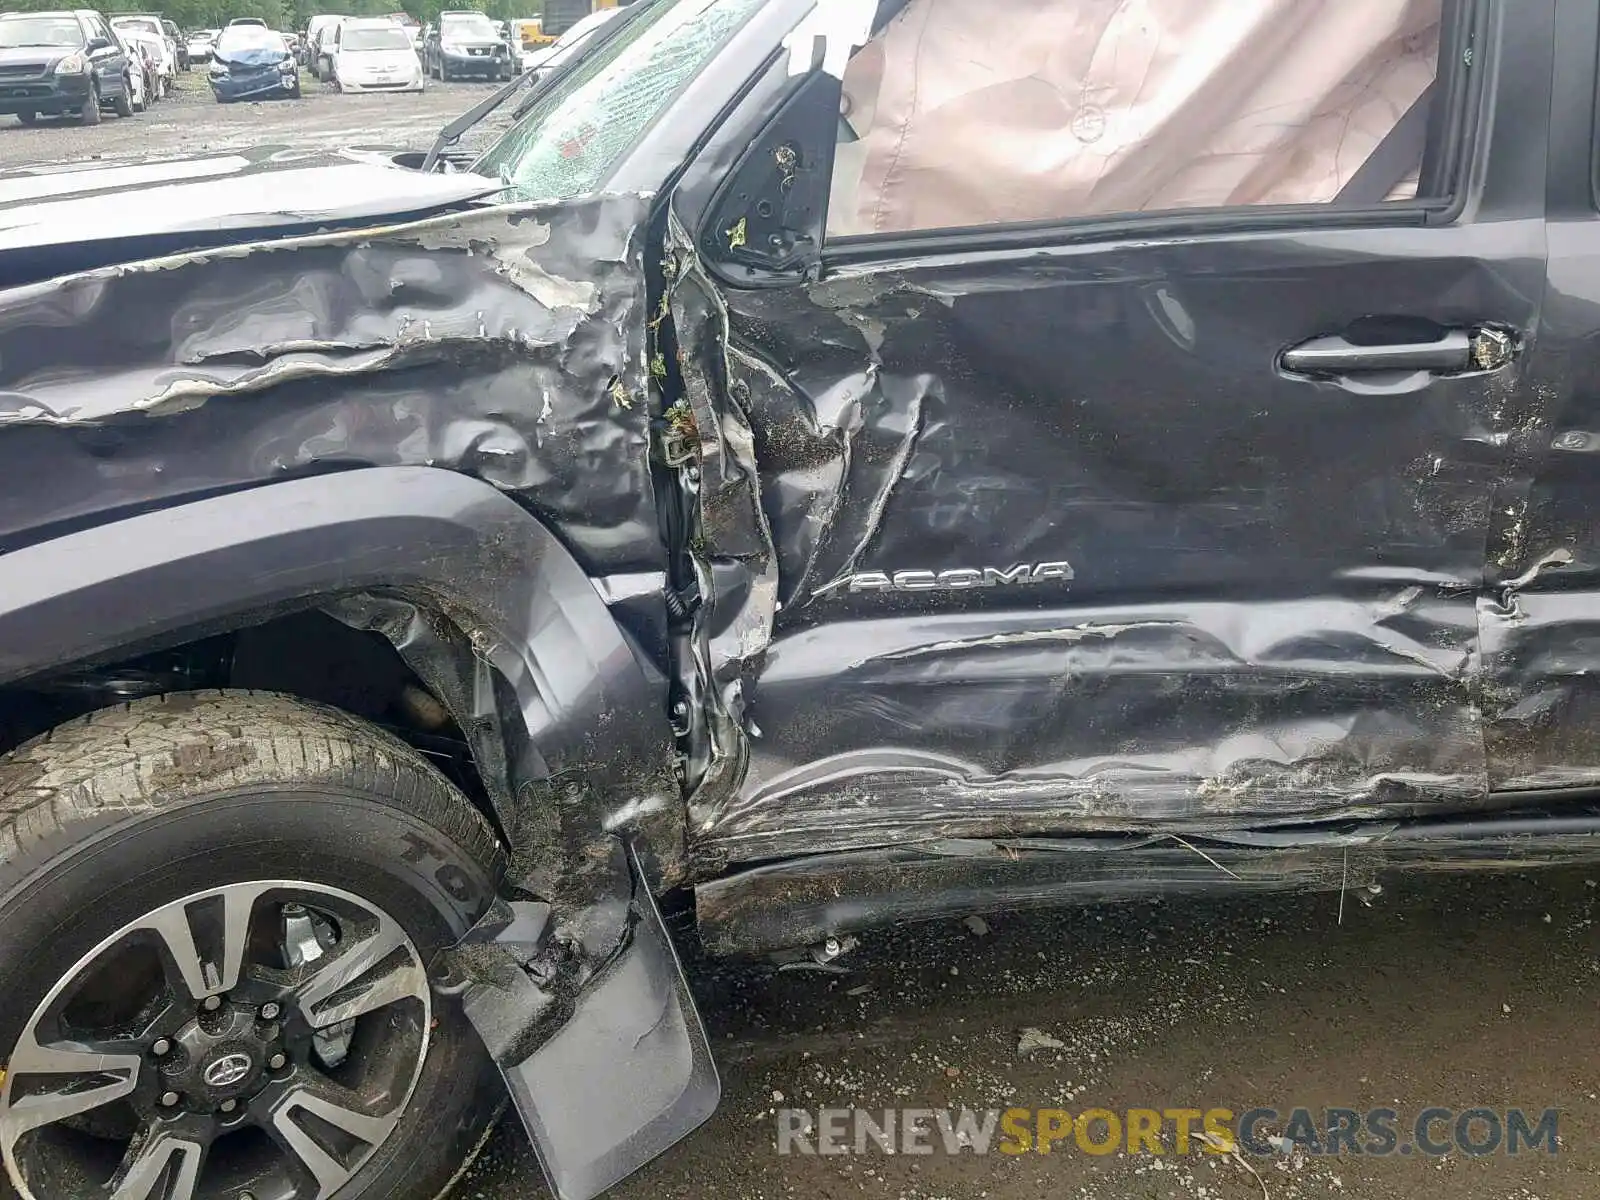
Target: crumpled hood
pixel 229 192
pixel 254 56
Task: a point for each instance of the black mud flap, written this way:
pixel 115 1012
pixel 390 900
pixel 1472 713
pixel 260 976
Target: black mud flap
pixel 627 1073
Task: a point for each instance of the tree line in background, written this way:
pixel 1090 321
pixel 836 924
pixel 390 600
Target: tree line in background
pixel 286 14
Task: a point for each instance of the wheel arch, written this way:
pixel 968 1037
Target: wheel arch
pixel 567 722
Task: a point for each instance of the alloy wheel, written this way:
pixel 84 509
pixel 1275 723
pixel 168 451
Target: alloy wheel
pixel 259 1041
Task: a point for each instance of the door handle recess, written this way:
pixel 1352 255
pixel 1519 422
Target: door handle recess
pixel 1337 356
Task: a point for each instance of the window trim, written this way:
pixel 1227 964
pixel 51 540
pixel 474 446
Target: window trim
pixel 1466 50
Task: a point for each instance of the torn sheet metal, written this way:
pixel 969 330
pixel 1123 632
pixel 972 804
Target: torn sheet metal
pixel 732 544
pixel 1268 605
pixel 504 342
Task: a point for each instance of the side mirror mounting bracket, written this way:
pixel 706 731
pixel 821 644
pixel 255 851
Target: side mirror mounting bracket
pixel 765 224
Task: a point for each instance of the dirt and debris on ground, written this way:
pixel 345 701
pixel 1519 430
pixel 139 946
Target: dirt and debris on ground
pixel 1455 992
pixel 190 121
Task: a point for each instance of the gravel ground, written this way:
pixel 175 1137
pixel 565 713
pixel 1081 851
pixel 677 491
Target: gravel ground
pixel 1451 991
pixel 189 121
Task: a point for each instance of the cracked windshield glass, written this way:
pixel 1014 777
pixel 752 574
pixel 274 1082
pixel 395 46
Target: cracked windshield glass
pixel 570 139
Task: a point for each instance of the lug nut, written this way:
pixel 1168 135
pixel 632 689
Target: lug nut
pixel 211 1003
pixel 269 1012
pixel 168 1099
pixel 228 1106
pixel 162 1047
pixel 276 1062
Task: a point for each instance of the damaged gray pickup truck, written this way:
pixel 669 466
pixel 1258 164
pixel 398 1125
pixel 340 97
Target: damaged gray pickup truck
pixel 825 464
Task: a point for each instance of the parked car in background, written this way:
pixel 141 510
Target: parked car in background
pixel 467 45
pixel 413 28
pixel 68 63
pixel 570 44
pixel 375 54
pixel 251 63
pixel 508 35
pixel 140 74
pixel 200 44
pixel 150 79
pixel 179 42
pixel 315 27
pixel 320 52
pixel 151 25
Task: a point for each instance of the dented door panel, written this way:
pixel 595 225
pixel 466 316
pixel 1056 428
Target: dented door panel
pixel 1268 611
pixel 1025 540
pixel 1540 614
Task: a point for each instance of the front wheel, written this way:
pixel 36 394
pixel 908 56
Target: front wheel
pixel 217 914
pixel 124 102
pixel 28 118
pixel 89 114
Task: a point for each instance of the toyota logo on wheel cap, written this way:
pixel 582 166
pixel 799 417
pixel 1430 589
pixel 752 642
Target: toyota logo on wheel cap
pixel 227 1070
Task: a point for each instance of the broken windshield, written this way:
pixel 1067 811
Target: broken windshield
pixel 570 139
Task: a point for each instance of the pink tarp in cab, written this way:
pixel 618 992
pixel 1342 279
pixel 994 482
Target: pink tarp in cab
pixel 971 112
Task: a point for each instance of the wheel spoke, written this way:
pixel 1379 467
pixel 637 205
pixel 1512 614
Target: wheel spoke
pixel 90 1076
pixel 301 1126
pixel 206 938
pixel 113 1014
pixel 159 1166
pixel 361 976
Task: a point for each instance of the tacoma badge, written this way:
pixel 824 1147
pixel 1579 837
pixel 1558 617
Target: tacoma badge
pixel 952 580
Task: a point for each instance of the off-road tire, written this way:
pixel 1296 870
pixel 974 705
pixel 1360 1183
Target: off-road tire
pixel 123 810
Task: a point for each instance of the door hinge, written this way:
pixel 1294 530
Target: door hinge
pixel 1492 348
